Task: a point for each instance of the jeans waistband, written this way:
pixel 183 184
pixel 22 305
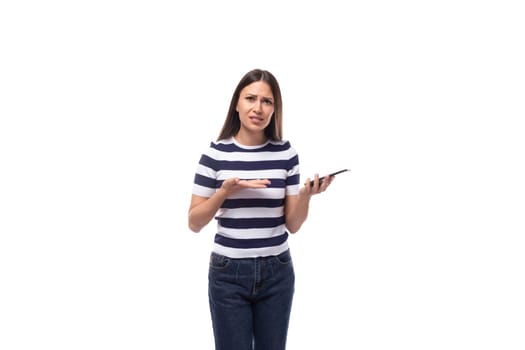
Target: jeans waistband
pixel 268 257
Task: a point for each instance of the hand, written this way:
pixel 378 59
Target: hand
pixel 316 188
pixel 234 184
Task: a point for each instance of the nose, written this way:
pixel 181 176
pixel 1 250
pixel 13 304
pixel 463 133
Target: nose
pixel 257 106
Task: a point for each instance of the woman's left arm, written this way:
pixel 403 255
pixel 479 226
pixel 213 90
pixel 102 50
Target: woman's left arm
pixel 296 207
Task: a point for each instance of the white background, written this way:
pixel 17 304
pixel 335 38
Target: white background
pixel 106 106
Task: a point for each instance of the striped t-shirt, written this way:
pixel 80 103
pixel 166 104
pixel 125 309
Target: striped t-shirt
pixel 250 223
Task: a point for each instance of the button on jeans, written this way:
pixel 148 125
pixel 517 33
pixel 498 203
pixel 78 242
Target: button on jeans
pixel 250 301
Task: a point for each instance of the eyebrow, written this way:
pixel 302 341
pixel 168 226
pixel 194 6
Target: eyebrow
pixel 265 97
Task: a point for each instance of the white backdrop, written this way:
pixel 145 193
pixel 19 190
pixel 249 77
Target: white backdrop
pixel 106 106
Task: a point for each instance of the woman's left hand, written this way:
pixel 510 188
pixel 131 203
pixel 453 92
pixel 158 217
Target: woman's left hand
pixel 316 188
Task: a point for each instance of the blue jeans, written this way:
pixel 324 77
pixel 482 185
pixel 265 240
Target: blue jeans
pixel 250 301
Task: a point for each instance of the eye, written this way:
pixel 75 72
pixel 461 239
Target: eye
pixel 250 98
pixel 268 102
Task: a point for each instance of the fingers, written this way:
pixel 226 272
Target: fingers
pixel 318 185
pixel 327 180
pixel 259 183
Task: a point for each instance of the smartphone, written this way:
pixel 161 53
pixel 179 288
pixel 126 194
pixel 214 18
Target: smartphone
pixel 332 174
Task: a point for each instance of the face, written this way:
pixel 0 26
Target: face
pixel 255 108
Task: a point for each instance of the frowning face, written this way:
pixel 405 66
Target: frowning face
pixel 255 108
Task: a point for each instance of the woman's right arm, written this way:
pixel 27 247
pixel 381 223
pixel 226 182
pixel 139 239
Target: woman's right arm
pixel 203 209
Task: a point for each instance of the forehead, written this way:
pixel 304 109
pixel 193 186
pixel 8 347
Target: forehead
pixel 260 88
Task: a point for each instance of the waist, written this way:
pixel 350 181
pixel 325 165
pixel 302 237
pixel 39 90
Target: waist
pixel 238 248
pixel 283 256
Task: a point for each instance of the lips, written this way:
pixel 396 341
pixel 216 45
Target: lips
pixel 256 119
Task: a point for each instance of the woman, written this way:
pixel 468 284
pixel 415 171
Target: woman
pixel 249 181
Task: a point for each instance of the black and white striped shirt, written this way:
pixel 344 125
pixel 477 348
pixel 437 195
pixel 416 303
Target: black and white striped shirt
pixel 250 222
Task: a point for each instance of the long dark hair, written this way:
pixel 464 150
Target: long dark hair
pixel 232 124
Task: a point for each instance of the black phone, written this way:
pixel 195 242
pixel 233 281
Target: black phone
pixel 332 174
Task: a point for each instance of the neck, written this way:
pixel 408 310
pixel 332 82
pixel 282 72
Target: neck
pixel 250 139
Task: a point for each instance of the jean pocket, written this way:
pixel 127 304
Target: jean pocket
pixel 219 262
pixel 284 258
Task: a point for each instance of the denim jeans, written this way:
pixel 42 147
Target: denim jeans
pixel 250 301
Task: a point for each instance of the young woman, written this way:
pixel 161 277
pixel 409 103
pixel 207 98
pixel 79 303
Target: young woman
pixel 249 181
